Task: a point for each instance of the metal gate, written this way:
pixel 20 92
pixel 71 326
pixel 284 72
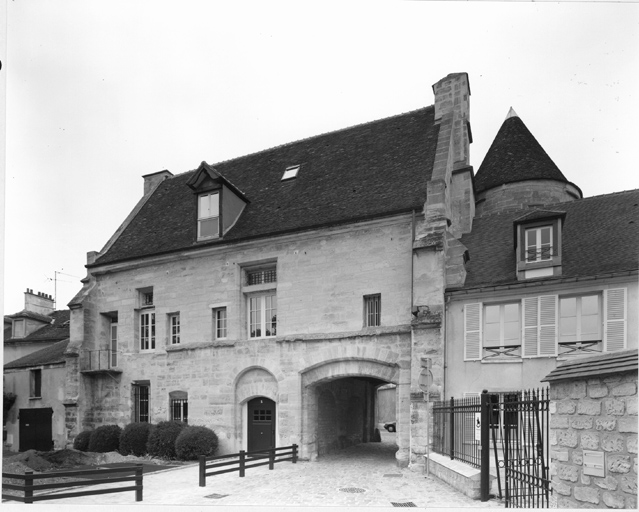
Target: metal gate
pixel 518 423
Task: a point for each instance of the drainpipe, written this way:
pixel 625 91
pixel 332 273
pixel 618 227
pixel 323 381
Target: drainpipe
pixel 412 263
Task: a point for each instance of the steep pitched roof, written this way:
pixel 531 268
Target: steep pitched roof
pixel 599 236
pixel 515 155
pixel 57 329
pixel 48 355
pixel 366 171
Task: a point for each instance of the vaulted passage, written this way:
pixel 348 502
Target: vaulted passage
pixel 345 413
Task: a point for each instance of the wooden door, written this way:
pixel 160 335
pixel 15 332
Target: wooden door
pixel 35 429
pixel 261 424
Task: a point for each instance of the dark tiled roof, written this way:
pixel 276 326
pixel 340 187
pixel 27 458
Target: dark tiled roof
pixel 539 213
pixel 515 155
pixel 585 367
pixel 48 355
pixel 599 236
pixel 30 314
pixel 370 170
pixel 56 331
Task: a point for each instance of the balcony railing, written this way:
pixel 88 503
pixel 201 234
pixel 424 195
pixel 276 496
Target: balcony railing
pixel 502 353
pixel 99 361
pixel 580 348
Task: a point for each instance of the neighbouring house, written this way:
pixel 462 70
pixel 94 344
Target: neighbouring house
pixel 550 275
pixel 268 296
pixel 37 418
pixel 37 326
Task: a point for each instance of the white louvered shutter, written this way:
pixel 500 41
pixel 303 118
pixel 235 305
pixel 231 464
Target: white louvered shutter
pixel 615 319
pixel 548 325
pixel 540 326
pixel 530 327
pixel 472 331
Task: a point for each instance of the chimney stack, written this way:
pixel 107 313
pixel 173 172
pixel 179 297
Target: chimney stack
pixel 151 181
pixel 40 303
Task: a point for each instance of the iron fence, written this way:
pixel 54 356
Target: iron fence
pixel 456 431
pixel 104 359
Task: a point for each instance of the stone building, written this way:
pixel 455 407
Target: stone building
pixel 550 275
pixel 268 296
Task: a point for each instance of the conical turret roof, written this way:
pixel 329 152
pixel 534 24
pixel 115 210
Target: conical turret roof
pixel 515 155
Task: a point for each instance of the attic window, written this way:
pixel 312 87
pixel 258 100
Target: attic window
pixel 290 172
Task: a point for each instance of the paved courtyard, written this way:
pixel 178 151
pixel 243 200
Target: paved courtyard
pixel 360 476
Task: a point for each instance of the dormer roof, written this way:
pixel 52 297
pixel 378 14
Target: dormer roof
pixel 515 155
pixel 205 174
pixel 366 171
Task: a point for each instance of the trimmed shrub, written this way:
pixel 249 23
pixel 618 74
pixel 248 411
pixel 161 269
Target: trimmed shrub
pixel 134 438
pixel 195 441
pixel 162 438
pixel 81 441
pixel 105 439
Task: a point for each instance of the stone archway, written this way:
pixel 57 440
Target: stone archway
pixel 252 382
pixel 344 368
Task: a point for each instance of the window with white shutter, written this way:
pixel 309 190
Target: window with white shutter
pixel 615 319
pixel 472 331
pixel 540 326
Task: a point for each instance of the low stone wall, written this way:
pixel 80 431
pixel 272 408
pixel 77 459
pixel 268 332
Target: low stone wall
pixel 597 413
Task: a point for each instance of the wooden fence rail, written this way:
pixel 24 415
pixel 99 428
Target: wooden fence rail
pixel 245 460
pixel 27 485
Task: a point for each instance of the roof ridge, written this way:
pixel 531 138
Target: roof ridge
pixel 310 137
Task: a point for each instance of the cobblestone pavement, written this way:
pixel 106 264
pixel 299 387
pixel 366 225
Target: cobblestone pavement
pixel 360 476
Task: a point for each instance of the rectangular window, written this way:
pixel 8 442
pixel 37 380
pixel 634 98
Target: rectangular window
pixel 539 244
pixel 262 316
pixel 140 403
pixel 372 310
pixel 180 410
pixel 580 318
pixel 113 343
pixel 147 330
pixel 35 384
pixel 18 329
pixel 208 216
pixel 219 317
pixel 502 326
pixel 261 276
pixel 174 328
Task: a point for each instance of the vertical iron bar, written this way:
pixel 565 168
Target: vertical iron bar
pixel 28 486
pixel 452 428
pixel 271 458
pixel 202 471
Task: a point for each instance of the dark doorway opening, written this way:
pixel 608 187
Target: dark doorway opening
pixel 35 429
pixel 261 424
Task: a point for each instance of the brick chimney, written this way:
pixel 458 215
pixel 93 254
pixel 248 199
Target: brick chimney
pixel 40 303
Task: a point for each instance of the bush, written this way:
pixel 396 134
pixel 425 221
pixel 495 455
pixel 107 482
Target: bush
pixel 81 441
pixel 105 439
pixel 195 441
pixel 134 438
pixel 162 438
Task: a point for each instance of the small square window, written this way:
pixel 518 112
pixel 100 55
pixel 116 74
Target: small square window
pixel 372 310
pixel 290 172
pixel 147 299
pixel 261 276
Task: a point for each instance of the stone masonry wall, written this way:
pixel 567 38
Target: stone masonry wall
pixel 594 414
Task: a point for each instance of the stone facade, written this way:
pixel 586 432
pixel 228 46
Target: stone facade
pixel 599 414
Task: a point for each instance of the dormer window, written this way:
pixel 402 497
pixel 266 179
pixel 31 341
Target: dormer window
pixel 539 244
pixel 18 328
pixel 290 172
pixel 208 216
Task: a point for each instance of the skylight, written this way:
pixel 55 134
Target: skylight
pixel 290 172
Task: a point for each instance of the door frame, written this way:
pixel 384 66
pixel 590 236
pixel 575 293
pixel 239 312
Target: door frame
pixel 245 421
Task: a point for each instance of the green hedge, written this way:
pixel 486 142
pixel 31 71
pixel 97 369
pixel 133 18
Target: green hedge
pixel 162 439
pixel 105 439
pixel 81 441
pixel 134 439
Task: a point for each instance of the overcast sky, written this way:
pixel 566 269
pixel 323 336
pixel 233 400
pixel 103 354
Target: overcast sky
pixel 100 93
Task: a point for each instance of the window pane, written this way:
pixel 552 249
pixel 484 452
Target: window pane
pixel 492 315
pixel 491 335
pixel 590 328
pixel 531 235
pixel 568 329
pixel 545 235
pixel 568 307
pixel 209 227
pixel 511 333
pixel 590 305
pixel 511 313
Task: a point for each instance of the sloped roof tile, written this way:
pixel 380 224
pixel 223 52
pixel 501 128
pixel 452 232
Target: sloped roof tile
pixel 593 366
pixel 599 236
pixel 49 355
pixel 366 171
pixel 56 330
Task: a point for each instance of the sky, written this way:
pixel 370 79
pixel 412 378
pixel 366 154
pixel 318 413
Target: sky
pixel 102 92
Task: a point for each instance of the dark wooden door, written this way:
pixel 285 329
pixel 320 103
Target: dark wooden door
pixel 261 424
pixel 35 429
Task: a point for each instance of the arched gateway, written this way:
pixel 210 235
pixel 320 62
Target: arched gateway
pixel 338 403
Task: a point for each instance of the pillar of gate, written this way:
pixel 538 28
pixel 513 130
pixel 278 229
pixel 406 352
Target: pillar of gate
pixel 484 481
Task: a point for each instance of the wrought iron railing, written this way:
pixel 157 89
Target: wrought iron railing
pixel 580 348
pixel 455 429
pixel 503 353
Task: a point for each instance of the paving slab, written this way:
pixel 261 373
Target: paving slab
pixel 365 476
